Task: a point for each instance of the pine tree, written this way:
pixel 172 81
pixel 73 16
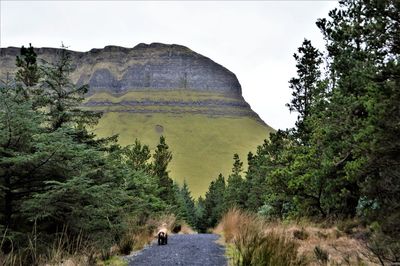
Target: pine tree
pixel 62 98
pixel 28 72
pixel 19 125
pixel 256 176
pixel 187 207
pixel 273 159
pixel 214 206
pixel 305 85
pixel 200 212
pixel 307 89
pixel 162 157
pixel 137 156
pixel 235 192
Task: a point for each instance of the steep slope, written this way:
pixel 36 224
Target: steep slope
pixel 159 89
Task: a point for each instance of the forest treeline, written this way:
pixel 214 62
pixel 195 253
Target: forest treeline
pixel 342 158
pixel 58 180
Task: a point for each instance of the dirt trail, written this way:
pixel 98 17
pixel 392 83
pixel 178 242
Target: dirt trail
pixel 196 249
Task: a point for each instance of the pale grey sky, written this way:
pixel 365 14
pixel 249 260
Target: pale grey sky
pixel 253 39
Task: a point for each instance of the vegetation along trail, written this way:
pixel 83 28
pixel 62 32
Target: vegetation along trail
pixel 192 249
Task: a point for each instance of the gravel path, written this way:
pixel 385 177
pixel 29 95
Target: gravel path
pixel 187 250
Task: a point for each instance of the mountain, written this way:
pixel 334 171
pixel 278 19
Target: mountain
pixel 159 89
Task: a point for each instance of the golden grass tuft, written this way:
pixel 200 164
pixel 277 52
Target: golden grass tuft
pixel 251 244
pixel 340 248
pixel 156 223
pixel 186 229
pixel 229 224
pixel 251 240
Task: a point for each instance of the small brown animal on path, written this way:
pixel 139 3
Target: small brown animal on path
pixel 163 235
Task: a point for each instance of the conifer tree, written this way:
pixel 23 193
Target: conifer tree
pixel 162 157
pixel 62 97
pixel 307 89
pixel 235 192
pixel 187 207
pixel 137 156
pixel 19 138
pixel 28 72
pixel 255 183
pixel 201 218
pixel 214 206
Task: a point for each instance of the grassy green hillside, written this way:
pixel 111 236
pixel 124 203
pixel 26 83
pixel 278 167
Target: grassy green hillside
pixel 202 146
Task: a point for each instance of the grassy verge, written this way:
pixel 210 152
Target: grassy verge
pixel 250 244
pixel 78 252
pixel 251 240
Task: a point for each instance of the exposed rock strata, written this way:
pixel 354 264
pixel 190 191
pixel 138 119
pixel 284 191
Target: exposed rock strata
pixel 154 67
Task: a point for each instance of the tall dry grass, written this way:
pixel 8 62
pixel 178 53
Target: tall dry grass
pixel 251 244
pixel 74 250
pixel 186 229
pixel 251 240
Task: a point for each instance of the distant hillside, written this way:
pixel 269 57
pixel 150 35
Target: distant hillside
pixel 159 89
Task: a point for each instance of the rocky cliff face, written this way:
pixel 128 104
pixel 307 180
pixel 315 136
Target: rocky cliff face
pixel 141 73
pixel 155 66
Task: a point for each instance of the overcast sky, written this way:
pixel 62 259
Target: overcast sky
pixel 255 40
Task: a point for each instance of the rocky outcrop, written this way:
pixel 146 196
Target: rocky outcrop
pixel 144 70
pixel 154 66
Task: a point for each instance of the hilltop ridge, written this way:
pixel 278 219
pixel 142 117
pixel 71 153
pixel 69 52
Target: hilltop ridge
pixel 146 66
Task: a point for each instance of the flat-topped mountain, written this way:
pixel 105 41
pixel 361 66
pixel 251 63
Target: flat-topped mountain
pixel 155 66
pixel 146 70
pixel 158 89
